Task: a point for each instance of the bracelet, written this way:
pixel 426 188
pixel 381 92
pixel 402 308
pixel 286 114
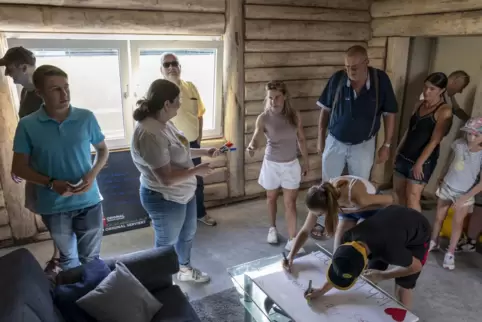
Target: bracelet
pixel 387 145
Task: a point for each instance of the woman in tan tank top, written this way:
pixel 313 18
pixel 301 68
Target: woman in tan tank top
pixel 282 126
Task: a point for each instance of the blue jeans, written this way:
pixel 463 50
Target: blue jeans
pixel 77 234
pixel 175 224
pixel 201 210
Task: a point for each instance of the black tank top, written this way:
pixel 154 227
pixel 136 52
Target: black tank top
pixel 419 133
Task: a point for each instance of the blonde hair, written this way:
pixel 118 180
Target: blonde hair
pixel 324 197
pixel 288 111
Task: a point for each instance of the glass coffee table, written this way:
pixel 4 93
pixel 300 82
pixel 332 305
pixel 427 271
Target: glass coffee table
pixel 259 307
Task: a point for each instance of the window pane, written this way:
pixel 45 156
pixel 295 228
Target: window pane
pixel 94 80
pixel 198 66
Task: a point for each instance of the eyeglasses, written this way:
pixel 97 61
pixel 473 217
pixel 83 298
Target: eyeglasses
pixel 167 64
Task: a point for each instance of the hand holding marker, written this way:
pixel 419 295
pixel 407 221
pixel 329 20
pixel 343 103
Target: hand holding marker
pixel 309 290
pixel 227 147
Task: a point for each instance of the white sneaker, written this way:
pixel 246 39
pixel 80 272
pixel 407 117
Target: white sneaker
pixel 433 246
pixel 193 275
pixel 272 235
pixel 449 261
pixel 290 244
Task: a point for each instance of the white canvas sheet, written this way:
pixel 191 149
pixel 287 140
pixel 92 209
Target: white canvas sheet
pixel 362 303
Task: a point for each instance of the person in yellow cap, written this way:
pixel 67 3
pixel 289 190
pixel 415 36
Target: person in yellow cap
pixel 395 235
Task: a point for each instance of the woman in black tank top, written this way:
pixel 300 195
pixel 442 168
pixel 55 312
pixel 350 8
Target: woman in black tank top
pixel 418 151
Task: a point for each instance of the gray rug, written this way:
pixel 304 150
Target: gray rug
pixel 220 307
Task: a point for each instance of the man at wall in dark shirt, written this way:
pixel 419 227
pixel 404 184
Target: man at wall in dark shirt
pixel 397 236
pixel 19 64
pixel 352 105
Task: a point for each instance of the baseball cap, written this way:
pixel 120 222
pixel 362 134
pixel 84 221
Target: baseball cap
pixel 347 264
pixel 474 125
pixel 18 55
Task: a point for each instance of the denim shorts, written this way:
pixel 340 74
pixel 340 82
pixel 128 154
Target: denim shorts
pixel 358 215
pixel 403 168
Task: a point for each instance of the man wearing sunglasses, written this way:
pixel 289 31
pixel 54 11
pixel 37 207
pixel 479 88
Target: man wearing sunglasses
pixel 352 104
pixel 189 120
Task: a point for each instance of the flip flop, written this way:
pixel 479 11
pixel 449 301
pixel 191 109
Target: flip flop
pixel 320 230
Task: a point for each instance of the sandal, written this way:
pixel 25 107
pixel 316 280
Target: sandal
pixel 318 232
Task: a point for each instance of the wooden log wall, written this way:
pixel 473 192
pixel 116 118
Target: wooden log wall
pixel 175 17
pixel 302 43
pixel 425 18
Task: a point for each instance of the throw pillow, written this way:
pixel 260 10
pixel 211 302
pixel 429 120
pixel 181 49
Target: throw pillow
pixel 120 297
pixel 66 295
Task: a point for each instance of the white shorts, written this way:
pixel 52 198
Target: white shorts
pixel 446 193
pixel 286 175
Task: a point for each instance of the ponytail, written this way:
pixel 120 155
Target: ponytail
pixel 324 198
pixel 160 91
pixel 142 110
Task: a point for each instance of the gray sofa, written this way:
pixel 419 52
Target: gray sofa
pixel 26 292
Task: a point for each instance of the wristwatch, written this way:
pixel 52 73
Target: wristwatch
pixel 50 185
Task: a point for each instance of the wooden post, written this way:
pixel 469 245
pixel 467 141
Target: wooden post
pixel 21 220
pixel 233 89
pixel 396 68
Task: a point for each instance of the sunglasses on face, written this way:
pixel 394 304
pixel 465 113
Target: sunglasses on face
pixel 167 64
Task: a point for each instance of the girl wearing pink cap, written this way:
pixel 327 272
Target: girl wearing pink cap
pixel 459 184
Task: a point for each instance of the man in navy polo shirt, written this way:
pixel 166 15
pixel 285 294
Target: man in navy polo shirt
pixel 351 106
pixel 52 150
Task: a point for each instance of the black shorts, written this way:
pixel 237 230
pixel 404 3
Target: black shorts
pixel 407 282
pixel 403 168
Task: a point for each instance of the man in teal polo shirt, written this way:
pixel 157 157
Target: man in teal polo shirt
pixel 52 150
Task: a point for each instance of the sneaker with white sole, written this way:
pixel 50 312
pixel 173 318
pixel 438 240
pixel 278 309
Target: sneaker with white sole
pixel 208 220
pixel 193 275
pixel 272 235
pixel 469 246
pixel 449 261
pixel 290 244
pixel 433 246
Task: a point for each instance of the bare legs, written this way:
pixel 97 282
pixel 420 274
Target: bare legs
pixel 414 193
pixel 457 227
pixel 399 187
pixel 271 200
pixel 289 198
pixel 404 295
pixel 442 209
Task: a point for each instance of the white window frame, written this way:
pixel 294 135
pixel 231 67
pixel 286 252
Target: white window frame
pixel 123 48
pixel 137 45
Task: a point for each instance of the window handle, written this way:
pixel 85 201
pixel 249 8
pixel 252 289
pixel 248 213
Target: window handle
pixel 126 93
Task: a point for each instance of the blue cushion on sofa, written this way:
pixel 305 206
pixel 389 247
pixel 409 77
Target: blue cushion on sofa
pixel 66 295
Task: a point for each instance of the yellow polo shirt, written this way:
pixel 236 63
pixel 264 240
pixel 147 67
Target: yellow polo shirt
pixel 192 108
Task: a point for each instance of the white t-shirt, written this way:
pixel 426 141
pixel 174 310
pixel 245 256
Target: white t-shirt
pixel 464 169
pixel 155 145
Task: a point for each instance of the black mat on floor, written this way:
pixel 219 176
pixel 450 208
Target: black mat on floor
pixel 220 307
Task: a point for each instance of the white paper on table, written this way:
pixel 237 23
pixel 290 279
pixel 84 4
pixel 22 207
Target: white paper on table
pixel 361 303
